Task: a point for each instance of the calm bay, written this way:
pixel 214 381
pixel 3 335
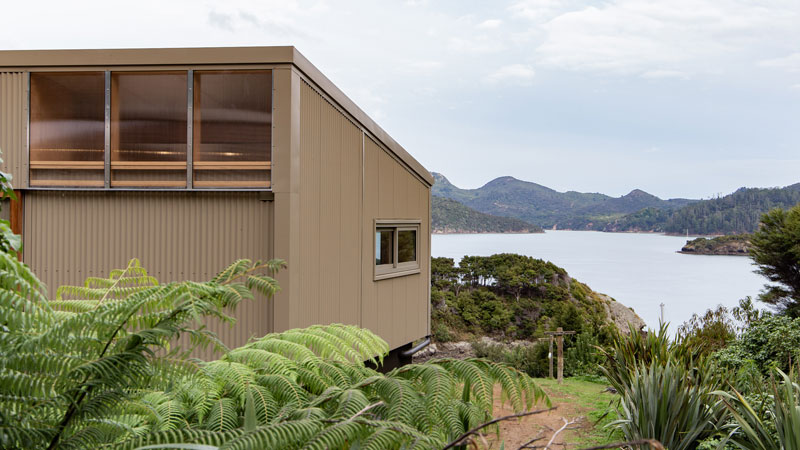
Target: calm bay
pixel 637 269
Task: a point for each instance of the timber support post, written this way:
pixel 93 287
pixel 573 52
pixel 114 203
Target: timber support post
pixel 559 335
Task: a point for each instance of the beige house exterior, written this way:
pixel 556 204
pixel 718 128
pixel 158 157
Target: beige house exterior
pixel 189 159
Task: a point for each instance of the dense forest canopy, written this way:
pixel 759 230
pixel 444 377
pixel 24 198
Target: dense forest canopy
pixel 738 212
pixel 450 216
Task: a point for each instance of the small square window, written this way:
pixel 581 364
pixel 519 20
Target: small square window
pixel 396 249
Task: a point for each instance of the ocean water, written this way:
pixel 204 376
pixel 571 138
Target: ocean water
pixel 637 269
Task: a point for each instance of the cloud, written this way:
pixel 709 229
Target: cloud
pixel 220 20
pixel 514 73
pixel 489 24
pixel 475 44
pixel 542 10
pixel 636 37
pixel 658 74
pixel 790 63
pixel 424 67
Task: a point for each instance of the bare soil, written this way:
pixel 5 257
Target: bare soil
pixel 539 427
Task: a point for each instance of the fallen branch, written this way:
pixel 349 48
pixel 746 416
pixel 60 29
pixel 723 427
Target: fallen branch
pixel 527 445
pixel 553 437
pixel 459 439
pixel 651 442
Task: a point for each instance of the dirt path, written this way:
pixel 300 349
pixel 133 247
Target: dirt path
pixel 517 432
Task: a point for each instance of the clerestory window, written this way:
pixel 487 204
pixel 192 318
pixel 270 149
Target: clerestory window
pixel 204 129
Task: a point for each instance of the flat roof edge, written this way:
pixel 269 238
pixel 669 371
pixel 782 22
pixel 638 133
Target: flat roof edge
pixel 15 60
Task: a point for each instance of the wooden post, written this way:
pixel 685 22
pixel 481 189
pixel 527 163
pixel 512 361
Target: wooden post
pixel 559 334
pixel 560 339
pixel 550 356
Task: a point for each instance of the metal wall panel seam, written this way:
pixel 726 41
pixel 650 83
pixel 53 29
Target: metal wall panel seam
pixel 189 128
pixel 107 135
pixel 27 133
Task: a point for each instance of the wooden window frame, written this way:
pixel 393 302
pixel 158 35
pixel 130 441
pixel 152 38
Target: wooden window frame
pixel 189 166
pixel 396 269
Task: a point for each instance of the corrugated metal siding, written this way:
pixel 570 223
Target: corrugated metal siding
pixel 330 211
pixel 176 235
pixel 395 308
pixel 13 126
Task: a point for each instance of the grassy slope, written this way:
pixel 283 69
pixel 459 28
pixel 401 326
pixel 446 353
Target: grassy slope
pixel 588 396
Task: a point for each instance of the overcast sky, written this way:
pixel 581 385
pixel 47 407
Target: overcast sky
pixel 681 98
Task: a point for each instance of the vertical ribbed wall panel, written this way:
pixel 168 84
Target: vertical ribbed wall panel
pixel 176 235
pixel 330 212
pixel 394 308
pixel 14 126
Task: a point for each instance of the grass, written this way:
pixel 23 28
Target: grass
pixel 587 397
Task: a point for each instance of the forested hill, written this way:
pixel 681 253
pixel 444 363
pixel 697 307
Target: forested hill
pixel 738 212
pixel 540 205
pixel 450 216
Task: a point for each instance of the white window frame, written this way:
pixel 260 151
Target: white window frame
pixel 396 269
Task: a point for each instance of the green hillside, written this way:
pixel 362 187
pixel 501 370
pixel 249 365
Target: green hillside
pixel 738 212
pixel 534 203
pixel 450 216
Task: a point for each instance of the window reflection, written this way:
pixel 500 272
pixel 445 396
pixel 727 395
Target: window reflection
pixel 406 246
pixel 384 246
pixel 67 128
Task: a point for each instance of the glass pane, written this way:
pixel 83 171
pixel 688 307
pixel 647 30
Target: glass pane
pixel 148 129
pixel 67 129
pixel 406 246
pixel 232 128
pixel 384 246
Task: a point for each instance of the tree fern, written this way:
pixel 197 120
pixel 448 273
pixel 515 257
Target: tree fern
pixel 98 367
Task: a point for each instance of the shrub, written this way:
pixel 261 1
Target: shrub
pixel 441 333
pixel 98 367
pixel 667 403
pixel 770 342
pixel 769 421
pixel 665 391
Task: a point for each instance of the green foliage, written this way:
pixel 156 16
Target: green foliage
pixel 669 403
pixel 450 216
pixel 665 389
pixel 70 366
pixel 509 197
pixel 776 251
pixel 710 332
pixel 732 244
pixel 583 358
pixel 8 240
pixel 769 342
pixel 738 212
pixel 769 423
pixel 511 296
pixel 99 367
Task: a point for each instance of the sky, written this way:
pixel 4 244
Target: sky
pixel 680 98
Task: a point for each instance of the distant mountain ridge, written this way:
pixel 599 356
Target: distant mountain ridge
pixel 540 205
pixel 450 216
pixel 738 212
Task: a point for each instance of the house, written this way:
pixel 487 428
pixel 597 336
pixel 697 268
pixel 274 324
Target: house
pixel 191 158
